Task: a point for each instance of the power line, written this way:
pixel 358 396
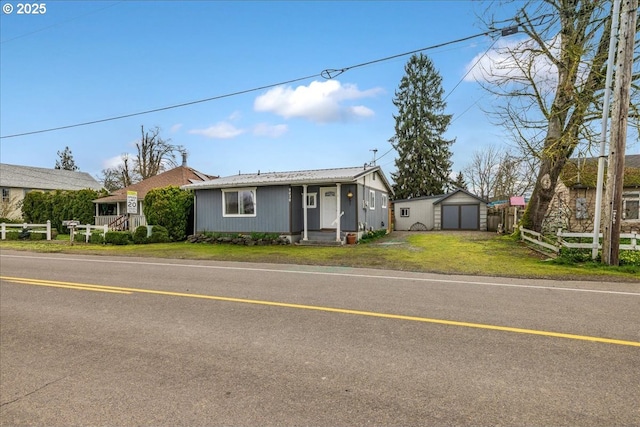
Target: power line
pixel 471 69
pixel 328 74
pixel 59 23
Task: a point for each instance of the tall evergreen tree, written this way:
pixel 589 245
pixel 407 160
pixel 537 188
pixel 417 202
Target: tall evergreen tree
pixel 424 158
pixel 66 161
pixel 459 182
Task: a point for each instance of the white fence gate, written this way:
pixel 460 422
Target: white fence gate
pixel 560 242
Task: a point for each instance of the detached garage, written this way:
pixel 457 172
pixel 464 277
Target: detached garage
pixel 459 210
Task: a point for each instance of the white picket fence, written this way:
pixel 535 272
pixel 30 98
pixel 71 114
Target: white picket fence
pixel 46 229
pixel 560 242
pixel 87 230
pixel 33 228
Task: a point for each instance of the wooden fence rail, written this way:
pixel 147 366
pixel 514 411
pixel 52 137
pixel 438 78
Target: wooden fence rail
pixel 33 228
pixel 561 236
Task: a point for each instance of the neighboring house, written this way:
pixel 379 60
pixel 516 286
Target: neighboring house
pixel 573 205
pixel 305 206
pixel 458 210
pixel 112 209
pixel 16 181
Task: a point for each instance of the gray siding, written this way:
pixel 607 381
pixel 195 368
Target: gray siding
pixel 297 219
pixel 349 221
pixel 272 212
pixel 372 219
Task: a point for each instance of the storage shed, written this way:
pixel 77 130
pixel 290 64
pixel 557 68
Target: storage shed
pixel 459 210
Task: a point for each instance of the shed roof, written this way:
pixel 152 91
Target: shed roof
pixel 178 176
pixel 459 190
pixel 317 176
pixel 441 197
pixel 30 177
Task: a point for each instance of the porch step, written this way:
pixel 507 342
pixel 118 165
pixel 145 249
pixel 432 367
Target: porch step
pixel 319 243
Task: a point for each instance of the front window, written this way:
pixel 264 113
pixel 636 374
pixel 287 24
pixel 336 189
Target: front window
pixel 239 202
pixel 384 201
pixel 581 208
pixel 404 212
pixel 372 199
pixel 631 206
pixel 5 195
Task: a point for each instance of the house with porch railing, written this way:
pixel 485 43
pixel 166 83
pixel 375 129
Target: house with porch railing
pixel 112 209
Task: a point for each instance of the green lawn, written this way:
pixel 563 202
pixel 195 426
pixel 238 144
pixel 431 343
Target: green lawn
pixel 439 252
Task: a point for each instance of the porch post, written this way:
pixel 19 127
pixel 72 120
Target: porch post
pixel 338 216
pixel 304 212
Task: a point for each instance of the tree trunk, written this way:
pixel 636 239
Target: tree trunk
pixel 543 192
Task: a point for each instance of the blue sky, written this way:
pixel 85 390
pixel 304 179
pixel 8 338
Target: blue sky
pixel 92 60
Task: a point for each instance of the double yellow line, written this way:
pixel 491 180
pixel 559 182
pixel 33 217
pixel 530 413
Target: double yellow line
pixel 67 285
pixel 128 291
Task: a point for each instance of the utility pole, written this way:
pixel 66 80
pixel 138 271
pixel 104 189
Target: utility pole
pixel 619 118
pixel 613 38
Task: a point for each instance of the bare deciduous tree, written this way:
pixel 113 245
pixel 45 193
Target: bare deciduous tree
pixel 550 84
pixel 497 174
pixel 154 155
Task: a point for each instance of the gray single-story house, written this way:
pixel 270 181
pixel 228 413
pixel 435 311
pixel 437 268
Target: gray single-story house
pixel 458 210
pixel 325 204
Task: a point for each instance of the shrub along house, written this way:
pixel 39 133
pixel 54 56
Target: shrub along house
pixel 458 210
pixel 307 206
pixel 112 209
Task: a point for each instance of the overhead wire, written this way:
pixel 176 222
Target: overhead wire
pixel 328 74
pixel 60 23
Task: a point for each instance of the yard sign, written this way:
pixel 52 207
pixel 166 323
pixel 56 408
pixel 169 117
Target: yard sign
pixel 132 202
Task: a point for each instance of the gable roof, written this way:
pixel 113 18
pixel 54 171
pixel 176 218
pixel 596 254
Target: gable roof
pixel 442 197
pixel 318 176
pixel 178 176
pixel 30 177
pixel 460 190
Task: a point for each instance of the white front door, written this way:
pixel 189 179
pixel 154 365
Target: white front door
pixel 328 207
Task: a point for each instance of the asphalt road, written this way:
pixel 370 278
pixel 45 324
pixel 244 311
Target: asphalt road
pixel 129 342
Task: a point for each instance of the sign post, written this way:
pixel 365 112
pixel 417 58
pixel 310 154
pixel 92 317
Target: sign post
pixel 71 225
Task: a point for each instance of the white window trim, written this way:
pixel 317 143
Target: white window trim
pixel 238 190
pixel 384 201
pixel 315 200
pixel 632 197
pixel 408 210
pixel 372 199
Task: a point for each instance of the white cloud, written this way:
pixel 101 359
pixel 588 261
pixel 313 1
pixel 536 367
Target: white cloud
pixel 271 131
pixel 235 116
pixel 175 128
pixel 221 130
pixel 319 102
pixel 113 162
pixel 501 61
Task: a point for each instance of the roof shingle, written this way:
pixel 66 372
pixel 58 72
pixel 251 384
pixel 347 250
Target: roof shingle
pixel 29 177
pixel 178 176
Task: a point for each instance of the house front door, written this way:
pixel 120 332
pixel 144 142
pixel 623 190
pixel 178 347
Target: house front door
pixel 328 207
